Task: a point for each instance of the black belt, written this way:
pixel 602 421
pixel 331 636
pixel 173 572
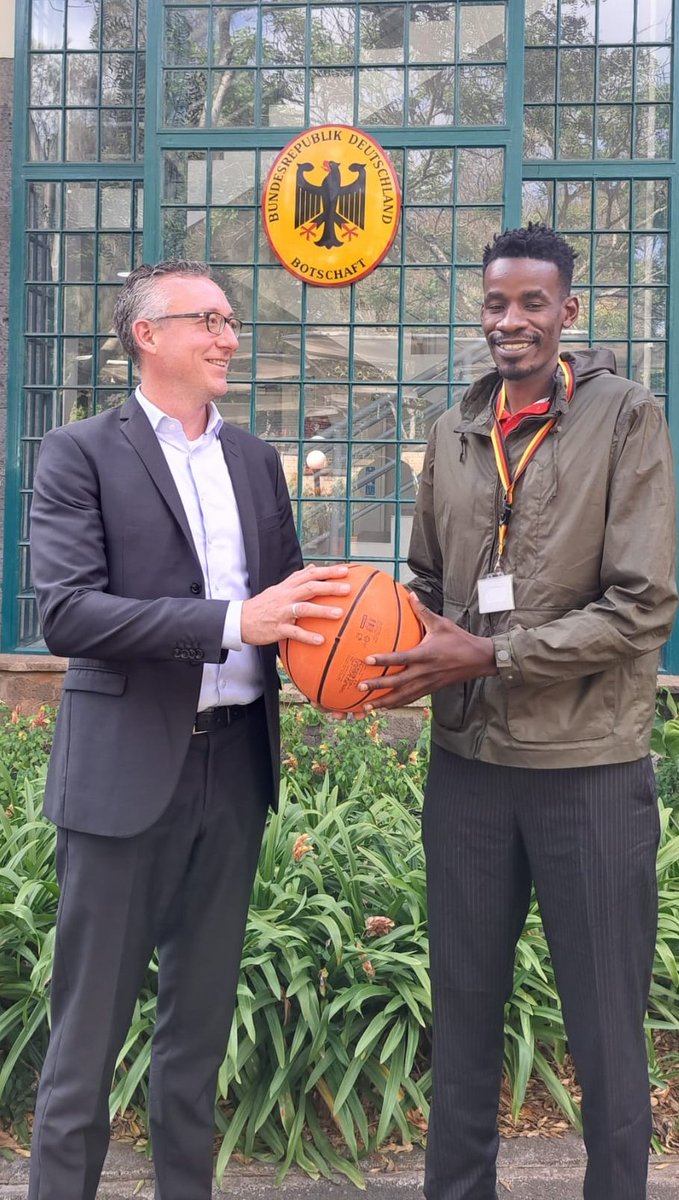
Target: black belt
pixel 212 719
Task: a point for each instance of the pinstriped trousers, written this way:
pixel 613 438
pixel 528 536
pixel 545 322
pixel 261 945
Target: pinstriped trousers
pixel 587 838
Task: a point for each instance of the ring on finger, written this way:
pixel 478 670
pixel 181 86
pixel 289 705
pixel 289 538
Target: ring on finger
pixel 294 612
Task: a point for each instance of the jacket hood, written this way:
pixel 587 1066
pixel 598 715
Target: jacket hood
pixel 586 364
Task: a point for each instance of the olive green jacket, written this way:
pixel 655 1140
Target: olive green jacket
pixel 590 545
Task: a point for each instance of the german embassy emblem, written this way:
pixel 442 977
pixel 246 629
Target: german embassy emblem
pixel 331 205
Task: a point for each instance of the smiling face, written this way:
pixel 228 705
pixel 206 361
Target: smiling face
pixel 182 356
pixel 525 307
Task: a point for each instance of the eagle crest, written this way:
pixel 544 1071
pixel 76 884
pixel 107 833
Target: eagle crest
pixel 330 205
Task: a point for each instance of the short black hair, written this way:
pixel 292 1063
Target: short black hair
pixel 534 241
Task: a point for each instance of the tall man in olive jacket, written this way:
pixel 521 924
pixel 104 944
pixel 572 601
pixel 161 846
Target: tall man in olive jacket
pixel 543 555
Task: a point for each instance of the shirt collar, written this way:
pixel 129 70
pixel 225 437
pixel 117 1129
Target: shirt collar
pixel 158 418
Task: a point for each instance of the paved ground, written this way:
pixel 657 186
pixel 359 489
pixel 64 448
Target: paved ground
pixel 529 1169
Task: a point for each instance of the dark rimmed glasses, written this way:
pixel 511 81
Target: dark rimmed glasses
pixel 214 321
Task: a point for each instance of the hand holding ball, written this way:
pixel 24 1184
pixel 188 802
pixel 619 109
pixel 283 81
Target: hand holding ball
pixel 378 619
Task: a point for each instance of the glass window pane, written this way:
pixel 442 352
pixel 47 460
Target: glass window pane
pixel 654 73
pixel 233 98
pixel 81 206
pixel 576 76
pixel 380 99
pixel 328 304
pixel 116 135
pixel 426 349
pixel 43 206
pixel 114 256
pixel 322 529
pixel 649 312
pixel 44 135
pixel 540 23
pixel 82 79
pixel 540 76
pixel 431 95
pixel 41 309
pixel 481 96
pixel 120 24
pixel 610 312
pixel 427 294
pixel 468 294
pixel 613 131
pixel 474 228
pixel 651 203
pixel 79 257
pixel 381 33
pixel 233 177
pixel 237 285
pixel 232 235
pixel 616 21
pixel 654 20
pixel 480 175
pixel 81 135
pixel 432 25
pixel 332 35
pixel 82 24
pixel 652 131
pixel 430 176
pixel 429 235
pixel 574 204
pixel 613 204
pixel 537 201
pixel 277 411
pixel 615 74
pixel 45 82
pixel 611 258
pixel 283 31
pixel 47 24
pixel 650 258
pixel 482 33
pixel 538 132
pixel 115 201
pixel 184 233
pixel 185 97
pixel 117 79
pixel 332 97
pixel 576 132
pixel 577 21
pixel 185 176
pixel 234 38
pixel 78 310
pixel 648 365
pixel 186 36
pixel 282 98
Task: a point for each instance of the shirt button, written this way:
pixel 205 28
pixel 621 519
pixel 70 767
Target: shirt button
pixel 503 656
pixel 195 589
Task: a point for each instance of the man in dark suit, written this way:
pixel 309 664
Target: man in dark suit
pixel 166 565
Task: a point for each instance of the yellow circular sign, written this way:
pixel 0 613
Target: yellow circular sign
pixel 331 205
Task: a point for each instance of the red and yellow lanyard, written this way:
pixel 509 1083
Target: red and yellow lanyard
pixel 508 481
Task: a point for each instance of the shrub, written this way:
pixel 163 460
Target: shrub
pixel 328 1053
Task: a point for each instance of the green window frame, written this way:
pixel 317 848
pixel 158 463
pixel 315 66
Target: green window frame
pixel 348 370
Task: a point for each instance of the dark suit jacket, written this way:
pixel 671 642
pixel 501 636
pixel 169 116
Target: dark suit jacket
pixel 120 590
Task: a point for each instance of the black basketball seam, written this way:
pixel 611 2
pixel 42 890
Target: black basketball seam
pixel 339 633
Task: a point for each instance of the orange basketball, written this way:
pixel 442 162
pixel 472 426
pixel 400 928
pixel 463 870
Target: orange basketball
pixel 378 619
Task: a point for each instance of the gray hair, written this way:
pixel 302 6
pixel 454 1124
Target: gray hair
pixel 143 295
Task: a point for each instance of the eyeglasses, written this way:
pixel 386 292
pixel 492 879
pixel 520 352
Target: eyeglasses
pixel 214 321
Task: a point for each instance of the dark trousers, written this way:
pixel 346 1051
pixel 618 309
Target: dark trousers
pixel 587 838
pixel 183 885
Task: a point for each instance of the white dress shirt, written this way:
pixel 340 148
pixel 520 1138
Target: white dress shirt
pixel 202 479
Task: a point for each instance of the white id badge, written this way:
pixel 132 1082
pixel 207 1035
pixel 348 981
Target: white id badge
pixel 496 593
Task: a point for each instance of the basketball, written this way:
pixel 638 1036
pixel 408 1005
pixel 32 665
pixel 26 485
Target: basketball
pixel 378 619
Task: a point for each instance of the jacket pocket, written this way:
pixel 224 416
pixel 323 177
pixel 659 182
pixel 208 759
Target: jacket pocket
pixel 94 679
pixel 575 710
pixel 450 703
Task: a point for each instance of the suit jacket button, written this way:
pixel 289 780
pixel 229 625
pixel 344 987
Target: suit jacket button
pixel 196 589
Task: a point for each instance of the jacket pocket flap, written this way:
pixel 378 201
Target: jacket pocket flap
pixel 94 679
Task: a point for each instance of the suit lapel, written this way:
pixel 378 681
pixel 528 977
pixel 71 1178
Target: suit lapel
pixel 242 488
pixel 138 431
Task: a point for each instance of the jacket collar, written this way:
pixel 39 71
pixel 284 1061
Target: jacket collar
pixel 477 404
